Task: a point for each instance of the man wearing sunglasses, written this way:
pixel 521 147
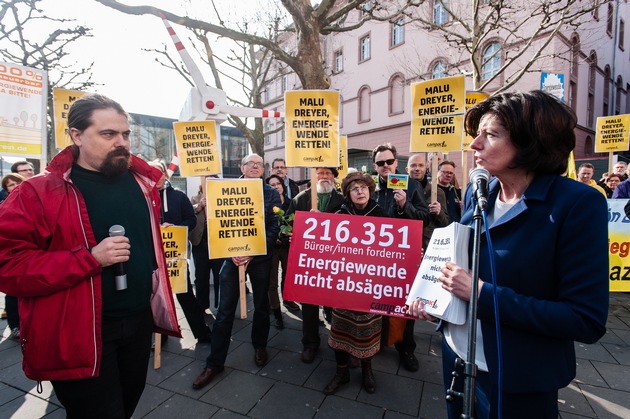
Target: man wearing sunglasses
pixel 398 203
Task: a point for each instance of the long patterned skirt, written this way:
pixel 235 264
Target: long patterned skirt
pixel 356 333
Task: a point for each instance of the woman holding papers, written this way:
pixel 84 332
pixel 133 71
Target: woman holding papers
pixel 353 333
pixel 549 245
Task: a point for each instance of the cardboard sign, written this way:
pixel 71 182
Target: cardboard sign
pixel 358 263
pixel 612 133
pixel 343 157
pixel 395 181
pixel 438 108
pixel 62 99
pixel 236 218
pixel 197 148
pixel 175 242
pixel 619 246
pixel 472 98
pixel 312 128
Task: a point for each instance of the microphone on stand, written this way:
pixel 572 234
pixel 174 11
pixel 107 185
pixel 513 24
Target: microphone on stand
pixel 479 178
pixel 119 268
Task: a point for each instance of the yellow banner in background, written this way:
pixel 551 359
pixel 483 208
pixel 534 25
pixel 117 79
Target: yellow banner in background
pixel 438 108
pixel 472 98
pixel 618 246
pixel 22 111
pixel 62 99
pixel 612 133
pixel 197 148
pixel 236 218
pixel 175 242
pixel 312 128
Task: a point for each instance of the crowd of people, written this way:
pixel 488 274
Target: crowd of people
pixel 549 295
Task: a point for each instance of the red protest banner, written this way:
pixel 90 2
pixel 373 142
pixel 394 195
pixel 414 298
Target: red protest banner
pixel 358 263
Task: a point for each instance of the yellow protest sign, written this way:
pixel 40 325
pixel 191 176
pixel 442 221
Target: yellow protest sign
pixel 175 242
pixel 343 157
pixel 438 108
pixel 472 98
pixel 312 128
pixel 62 99
pixel 612 133
pixel 197 148
pixel 618 246
pixel 236 218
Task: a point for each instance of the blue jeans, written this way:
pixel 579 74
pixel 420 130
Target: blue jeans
pixel 258 270
pixel 515 405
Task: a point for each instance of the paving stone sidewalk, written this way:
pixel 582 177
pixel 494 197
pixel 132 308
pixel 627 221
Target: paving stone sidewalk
pixel 288 388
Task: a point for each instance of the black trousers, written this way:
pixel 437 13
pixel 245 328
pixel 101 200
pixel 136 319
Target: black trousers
pixel 193 312
pixel 123 372
pixel 13 315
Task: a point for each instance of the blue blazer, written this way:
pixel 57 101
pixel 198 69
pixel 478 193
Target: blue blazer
pixel 551 259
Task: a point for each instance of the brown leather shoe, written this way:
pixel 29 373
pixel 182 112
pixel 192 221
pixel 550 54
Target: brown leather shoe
pixel 204 378
pixel 308 355
pixel 260 357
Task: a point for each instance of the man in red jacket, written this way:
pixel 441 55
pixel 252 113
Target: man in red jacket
pixel 88 336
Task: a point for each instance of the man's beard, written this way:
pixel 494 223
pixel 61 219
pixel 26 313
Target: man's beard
pixel 324 187
pixel 113 165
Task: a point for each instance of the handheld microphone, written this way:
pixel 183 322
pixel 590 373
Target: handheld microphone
pixel 119 268
pixel 479 178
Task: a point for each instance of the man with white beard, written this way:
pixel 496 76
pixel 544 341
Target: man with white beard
pixel 328 200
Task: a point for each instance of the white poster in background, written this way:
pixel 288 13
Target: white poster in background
pixel 22 111
pixel 553 84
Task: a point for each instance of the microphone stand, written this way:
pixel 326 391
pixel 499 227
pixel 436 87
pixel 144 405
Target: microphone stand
pixel 469 367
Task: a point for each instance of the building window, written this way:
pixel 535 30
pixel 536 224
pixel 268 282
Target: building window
pixel 610 19
pixel 267 136
pixel 338 61
pixel 622 30
pixel 606 109
pixel 575 57
pixel 590 102
pixel 438 71
pixel 618 96
pixel 440 15
pixel 398 32
pixel 266 94
pixel 589 147
pixel 364 48
pixel 491 61
pixel 285 83
pixel 396 95
pixel 364 104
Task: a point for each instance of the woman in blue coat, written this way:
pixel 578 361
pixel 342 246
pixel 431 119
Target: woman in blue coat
pixel 549 238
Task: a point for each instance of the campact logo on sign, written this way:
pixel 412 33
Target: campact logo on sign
pixel 388 308
pixel 313 159
pixel 238 248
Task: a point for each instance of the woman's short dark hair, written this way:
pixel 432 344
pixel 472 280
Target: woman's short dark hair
pixel 357 177
pixel 15 177
pixel 81 110
pixel 284 187
pixel 540 127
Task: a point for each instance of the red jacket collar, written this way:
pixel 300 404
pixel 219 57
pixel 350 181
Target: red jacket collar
pixel 63 161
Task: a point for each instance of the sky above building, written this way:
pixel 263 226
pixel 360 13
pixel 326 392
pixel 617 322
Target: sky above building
pixel 122 70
